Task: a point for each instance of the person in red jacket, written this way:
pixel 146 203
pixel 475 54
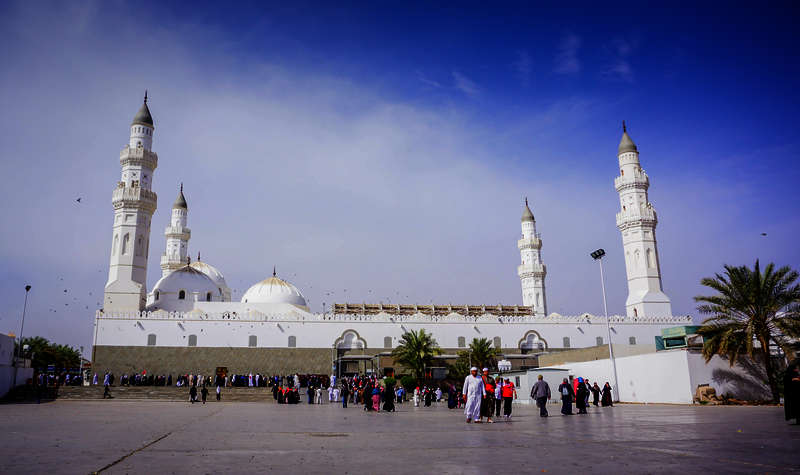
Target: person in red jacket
pixel 509 393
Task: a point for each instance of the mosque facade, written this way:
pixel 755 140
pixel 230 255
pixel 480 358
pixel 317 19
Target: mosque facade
pixel 188 322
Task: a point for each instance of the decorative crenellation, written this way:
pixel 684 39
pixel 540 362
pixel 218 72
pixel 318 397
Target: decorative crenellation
pixel 134 197
pixel 138 156
pixel 256 316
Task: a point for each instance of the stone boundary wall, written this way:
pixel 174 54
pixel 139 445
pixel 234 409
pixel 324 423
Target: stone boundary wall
pixel 205 360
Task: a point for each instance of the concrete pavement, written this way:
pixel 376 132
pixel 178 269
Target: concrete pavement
pixel 172 437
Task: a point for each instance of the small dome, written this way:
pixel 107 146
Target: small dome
pixel 188 279
pixel 180 201
pixel 274 290
pixel 212 272
pixel 527 215
pixel 626 144
pixel 143 117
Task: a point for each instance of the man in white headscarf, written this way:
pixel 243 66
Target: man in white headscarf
pixel 474 393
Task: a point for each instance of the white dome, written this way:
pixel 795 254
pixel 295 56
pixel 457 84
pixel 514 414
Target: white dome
pixel 212 272
pixel 274 290
pixel 195 285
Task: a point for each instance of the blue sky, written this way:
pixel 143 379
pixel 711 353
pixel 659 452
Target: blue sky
pixel 386 149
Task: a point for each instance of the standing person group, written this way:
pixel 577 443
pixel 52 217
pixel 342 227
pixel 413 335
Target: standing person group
pixel 579 394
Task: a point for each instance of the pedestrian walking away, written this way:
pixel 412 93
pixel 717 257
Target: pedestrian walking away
pixel 204 393
pixel 541 394
pixel 567 394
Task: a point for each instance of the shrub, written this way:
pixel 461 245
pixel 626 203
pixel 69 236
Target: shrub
pixel 408 382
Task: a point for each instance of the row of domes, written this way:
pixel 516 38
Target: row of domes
pixel 206 283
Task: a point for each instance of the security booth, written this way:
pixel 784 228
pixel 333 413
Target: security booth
pixel 684 336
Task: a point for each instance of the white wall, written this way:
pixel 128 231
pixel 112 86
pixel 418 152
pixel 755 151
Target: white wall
pixel 317 331
pixel 668 377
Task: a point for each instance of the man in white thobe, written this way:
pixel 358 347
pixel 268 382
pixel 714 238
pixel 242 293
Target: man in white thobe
pixel 474 393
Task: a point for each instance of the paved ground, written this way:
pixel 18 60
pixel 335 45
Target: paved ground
pixel 172 437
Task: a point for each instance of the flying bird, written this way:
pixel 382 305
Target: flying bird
pixel 78 200
pixel 763 234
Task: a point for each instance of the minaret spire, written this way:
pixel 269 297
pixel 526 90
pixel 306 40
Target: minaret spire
pixel 532 271
pixel 178 234
pixel 273 271
pixel 624 129
pixel 134 204
pixel 145 96
pixel 637 222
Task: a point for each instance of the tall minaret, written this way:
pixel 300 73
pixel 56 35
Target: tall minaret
pixel 134 204
pixel 177 237
pixel 532 272
pixel 637 222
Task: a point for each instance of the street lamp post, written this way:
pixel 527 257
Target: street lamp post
pixel 598 256
pixel 22 328
pixel 24 308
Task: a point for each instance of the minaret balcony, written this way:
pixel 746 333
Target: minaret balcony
pixel 644 216
pixel 178 232
pixel 531 270
pixel 530 243
pixel 134 197
pixel 638 180
pixel 138 157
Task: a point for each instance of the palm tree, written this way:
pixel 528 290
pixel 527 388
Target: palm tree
pixel 416 351
pixel 750 306
pixel 482 353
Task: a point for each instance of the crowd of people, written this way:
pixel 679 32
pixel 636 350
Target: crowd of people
pixel 481 396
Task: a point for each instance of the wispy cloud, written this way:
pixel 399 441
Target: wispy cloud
pixel 523 66
pixel 465 84
pixel 427 81
pixel 620 68
pixel 567 61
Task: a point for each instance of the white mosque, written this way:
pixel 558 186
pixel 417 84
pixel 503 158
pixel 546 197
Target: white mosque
pixel 188 322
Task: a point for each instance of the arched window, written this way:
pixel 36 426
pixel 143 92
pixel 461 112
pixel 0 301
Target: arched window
pixel 252 341
pixel 387 342
pixel 139 245
pixel 208 297
pixel 157 294
pixel 125 243
pixel 635 312
pixel 182 295
pixel 292 341
pixel 565 342
pixel 116 244
pixel 651 262
pixel 599 340
pixel 462 342
pixel 636 257
pixel 632 340
pixel 192 340
pixel 496 342
pixel 151 339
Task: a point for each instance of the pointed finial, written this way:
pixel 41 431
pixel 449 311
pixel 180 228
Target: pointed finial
pixel 145 96
pixel 624 129
pixel 273 271
pixel 198 256
pixel 188 260
pixel 181 187
pixel 526 201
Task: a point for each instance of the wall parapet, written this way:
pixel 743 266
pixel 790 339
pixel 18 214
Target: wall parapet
pixel 251 315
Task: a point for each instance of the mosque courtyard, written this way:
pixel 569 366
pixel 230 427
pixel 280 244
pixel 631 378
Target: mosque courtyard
pixel 150 436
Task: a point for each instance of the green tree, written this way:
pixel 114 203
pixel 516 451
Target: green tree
pixel 416 351
pixel 481 353
pixel 44 353
pixel 751 306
